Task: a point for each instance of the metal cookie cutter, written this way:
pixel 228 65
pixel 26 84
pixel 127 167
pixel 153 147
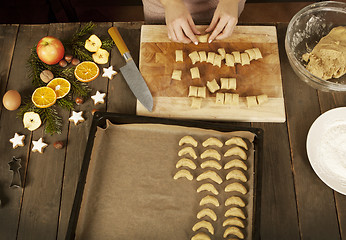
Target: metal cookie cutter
pixel 15 166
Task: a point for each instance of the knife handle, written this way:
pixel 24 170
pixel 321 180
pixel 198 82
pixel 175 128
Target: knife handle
pixel 118 40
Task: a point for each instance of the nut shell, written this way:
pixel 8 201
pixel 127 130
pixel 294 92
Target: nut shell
pixel 58 145
pixel 46 76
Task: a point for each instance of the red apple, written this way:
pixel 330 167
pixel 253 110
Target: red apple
pixel 50 50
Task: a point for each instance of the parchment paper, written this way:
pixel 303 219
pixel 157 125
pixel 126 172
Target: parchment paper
pixel 130 192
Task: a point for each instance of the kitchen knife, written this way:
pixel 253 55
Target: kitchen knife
pixel 131 73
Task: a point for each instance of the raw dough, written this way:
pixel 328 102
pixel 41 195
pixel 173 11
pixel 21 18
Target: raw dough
pixel 328 58
pixel 179 56
pixel 176 75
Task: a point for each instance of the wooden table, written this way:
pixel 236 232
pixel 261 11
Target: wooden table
pixel 295 203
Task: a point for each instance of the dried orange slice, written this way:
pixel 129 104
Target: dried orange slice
pixel 61 87
pixel 86 71
pixel 43 97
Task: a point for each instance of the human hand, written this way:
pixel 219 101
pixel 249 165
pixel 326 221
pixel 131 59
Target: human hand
pixel 180 25
pixel 224 20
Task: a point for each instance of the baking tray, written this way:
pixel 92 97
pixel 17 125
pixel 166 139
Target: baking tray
pixel 100 120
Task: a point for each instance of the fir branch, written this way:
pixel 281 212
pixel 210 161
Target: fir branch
pixel 52 120
pixel 27 106
pixel 66 103
pixel 107 44
pixel 81 53
pixel 79 89
pixel 82 31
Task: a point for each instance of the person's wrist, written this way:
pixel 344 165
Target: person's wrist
pixel 170 3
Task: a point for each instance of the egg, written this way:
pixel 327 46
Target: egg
pixel 11 100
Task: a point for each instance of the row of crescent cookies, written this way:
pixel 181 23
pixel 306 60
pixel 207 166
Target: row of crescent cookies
pixel 234 215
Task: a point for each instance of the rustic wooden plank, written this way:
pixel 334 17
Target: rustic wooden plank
pixel 40 208
pixel 330 100
pixel 10 198
pixel 77 139
pixel 316 206
pixel 122 99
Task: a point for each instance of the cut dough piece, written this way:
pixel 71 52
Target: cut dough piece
pixel 235 163
pixel 209 200
pixel 224 83
pixel 229 58
pixel 235 101
pixel 207 212
pixel 245 59
pixel 211 56
pixel 232 83
pixel 257 53
pixel 183 173
pixel 193 91
pixel 187 151
pixel 235 212
pixel 188 140
pixel 262 99
pixel 228 98
pixel 211 153
pixel 233 221
pixel 236 55
pixel 176 75
pixel 202 56
pixel 251 101
pixel 208 187
pixel 194 56
pixel 234 231
pixel 235 200
pixel 212 141
pixel 211 164
pixel 252 54
pixel 203 38
pixel 195 73
pixel 203 224
pixel 220 98
pixel 236 174
pixel 200 236
pixel 210 175
pixel 217 60
pixel 179 56
pixel 236 151
pixel 222 53
pixel 185 162
pixel 236 187
pixel 202 92
pixel 236 141
pixel 213 86
pixel 196 103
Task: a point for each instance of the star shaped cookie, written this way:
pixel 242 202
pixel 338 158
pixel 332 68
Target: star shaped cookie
pixel 17 140
pixel 76 117
pixel 98 98
pixel 109 72
pixel 39 145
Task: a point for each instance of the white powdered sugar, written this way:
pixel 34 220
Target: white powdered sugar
pixel 333 149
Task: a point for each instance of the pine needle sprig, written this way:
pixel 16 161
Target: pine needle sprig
pixel 107 44
pixel 66 102
pixel 52 121
pixel 87 29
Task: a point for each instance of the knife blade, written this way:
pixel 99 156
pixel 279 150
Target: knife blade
pixel 133 77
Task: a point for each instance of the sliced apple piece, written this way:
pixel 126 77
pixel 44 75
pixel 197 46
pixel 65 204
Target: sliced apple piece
pixel 93 43
pixel 31 121
pixel 101 56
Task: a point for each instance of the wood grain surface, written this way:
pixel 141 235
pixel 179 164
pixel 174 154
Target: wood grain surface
pixel 263 76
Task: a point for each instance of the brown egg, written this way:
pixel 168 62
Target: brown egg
pixel 11 100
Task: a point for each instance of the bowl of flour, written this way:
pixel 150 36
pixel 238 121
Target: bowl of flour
pixel 326 148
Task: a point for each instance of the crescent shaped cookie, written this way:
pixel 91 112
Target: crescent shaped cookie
pixel 201 236
pixel 237 141
pixel 235 212
pixel 212 141
pixel 207 187
pixel 234 200
pixel 189 151
pixel 210 175
pixel 236 187
pixel 236 174
pixel 211 164
pixel 209 200
pixel 212 153
pixel 207 212
pixel 203 224
pixel 235 231
pixel 235 163
pixel 183 173
pixel 185 162
pixel 236 151
pixel 233 221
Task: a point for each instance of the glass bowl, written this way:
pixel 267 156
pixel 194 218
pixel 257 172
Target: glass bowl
pixel 304 31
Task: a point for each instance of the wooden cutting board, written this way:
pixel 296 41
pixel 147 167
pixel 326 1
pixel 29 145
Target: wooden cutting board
pixel 263 76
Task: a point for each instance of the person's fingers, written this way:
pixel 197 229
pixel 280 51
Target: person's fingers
pixel 227 31
pixel 178 30
pixel 192 25
pixel 219 27
pixel 213 23
pixel 188 32
pixel 172 35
